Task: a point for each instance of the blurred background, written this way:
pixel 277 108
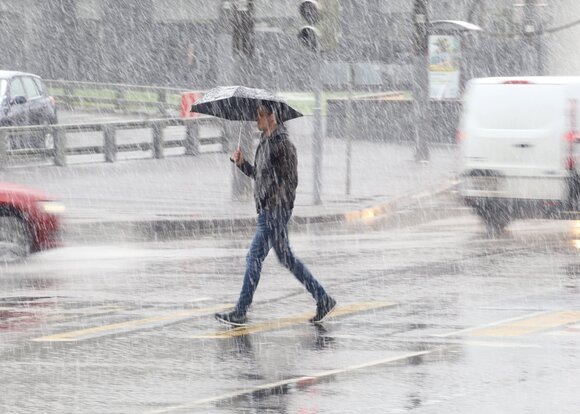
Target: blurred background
pixel 188 42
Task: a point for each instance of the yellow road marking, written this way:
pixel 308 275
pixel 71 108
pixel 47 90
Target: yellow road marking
pixel 58 312
pixel 128 326
pixel 294 320
pixel 531 325
pixel 487 325
pixel 77 313
pixel 568 330
pixel 297 381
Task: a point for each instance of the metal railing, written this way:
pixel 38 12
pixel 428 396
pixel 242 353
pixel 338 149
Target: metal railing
pixel 117 97
pixel 109 147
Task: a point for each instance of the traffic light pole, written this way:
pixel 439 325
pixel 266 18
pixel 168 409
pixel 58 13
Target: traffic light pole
pixel 317 131
pixel 533 30
pixel 241 134
pixel 422 110
pixel 320 35
pixel 421 100
pixel 349 127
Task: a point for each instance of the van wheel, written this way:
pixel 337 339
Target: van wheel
pixel 496 227
pixel 495 220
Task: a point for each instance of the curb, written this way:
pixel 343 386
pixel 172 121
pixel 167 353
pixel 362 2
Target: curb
pixel 175 229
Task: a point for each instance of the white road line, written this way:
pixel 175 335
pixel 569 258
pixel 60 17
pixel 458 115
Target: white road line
pixel 299 380
pixel 475 328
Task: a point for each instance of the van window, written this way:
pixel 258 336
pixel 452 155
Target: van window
pixel 515 106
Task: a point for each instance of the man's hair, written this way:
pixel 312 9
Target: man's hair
pixel 270 109
pixel 266 106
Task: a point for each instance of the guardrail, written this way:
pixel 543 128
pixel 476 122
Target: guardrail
pixel 191 141
pixel 117 97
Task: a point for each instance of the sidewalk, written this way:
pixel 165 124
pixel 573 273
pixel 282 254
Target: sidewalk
pixel 183 194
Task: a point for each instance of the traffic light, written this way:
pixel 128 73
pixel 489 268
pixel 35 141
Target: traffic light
pixel 242 21
pixel 322 32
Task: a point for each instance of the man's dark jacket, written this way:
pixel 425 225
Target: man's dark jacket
pixel 275 171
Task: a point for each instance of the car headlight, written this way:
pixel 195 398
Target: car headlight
pixel 52 207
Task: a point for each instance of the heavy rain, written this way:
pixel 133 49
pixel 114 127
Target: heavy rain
pixel 402 177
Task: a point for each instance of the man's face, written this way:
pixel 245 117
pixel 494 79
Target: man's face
pixel 262 119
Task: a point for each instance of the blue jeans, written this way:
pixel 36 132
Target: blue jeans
pixel 273 232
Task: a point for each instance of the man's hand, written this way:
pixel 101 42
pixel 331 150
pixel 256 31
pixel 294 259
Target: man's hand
pixel 238 157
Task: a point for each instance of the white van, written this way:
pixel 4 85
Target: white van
pixel 520 148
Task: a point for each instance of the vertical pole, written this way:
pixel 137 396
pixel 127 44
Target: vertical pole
pixel 421 83
pixel 59 136
pixel 110 144
pixel 242 26
pixel 224 138
pixel 421 110
pixel 158 140
pixel 241 184
pixel 317 131
pixel 3 150
pixel 534 62
pixel 69 93
pixel 541 51
pixel 349 127
pixel 162 99
pixel 528 31
pixel 191 141
pixel 120 104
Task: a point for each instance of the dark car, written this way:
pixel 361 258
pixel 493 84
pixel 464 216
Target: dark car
pixel 24 100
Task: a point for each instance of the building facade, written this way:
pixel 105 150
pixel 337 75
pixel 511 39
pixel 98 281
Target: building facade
pixel 188 42
pixel 563 47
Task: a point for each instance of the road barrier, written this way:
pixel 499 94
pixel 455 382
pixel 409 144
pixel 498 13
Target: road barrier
pixel 116 97
pixel 109 147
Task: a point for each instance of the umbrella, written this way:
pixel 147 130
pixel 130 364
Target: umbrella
pixel 238 103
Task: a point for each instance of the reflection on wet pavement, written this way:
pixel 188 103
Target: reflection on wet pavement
pixel 138 345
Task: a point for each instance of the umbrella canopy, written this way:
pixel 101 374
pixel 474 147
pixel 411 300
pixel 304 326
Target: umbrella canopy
pixel 238 103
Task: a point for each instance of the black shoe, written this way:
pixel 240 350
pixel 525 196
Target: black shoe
pixel 232 318
pixel 323 309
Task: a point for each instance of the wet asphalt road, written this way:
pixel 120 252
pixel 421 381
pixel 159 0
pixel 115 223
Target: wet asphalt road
pixel 438 319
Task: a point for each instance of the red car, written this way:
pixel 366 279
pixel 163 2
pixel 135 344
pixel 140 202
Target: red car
pixel 29 220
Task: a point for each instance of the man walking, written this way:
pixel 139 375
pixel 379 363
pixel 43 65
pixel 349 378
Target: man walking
pixel 275 172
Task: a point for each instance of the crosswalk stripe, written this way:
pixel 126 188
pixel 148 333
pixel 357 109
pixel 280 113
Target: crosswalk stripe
pixel 294 320
pixel 129 326
pixel 530 325
pixel 573 329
